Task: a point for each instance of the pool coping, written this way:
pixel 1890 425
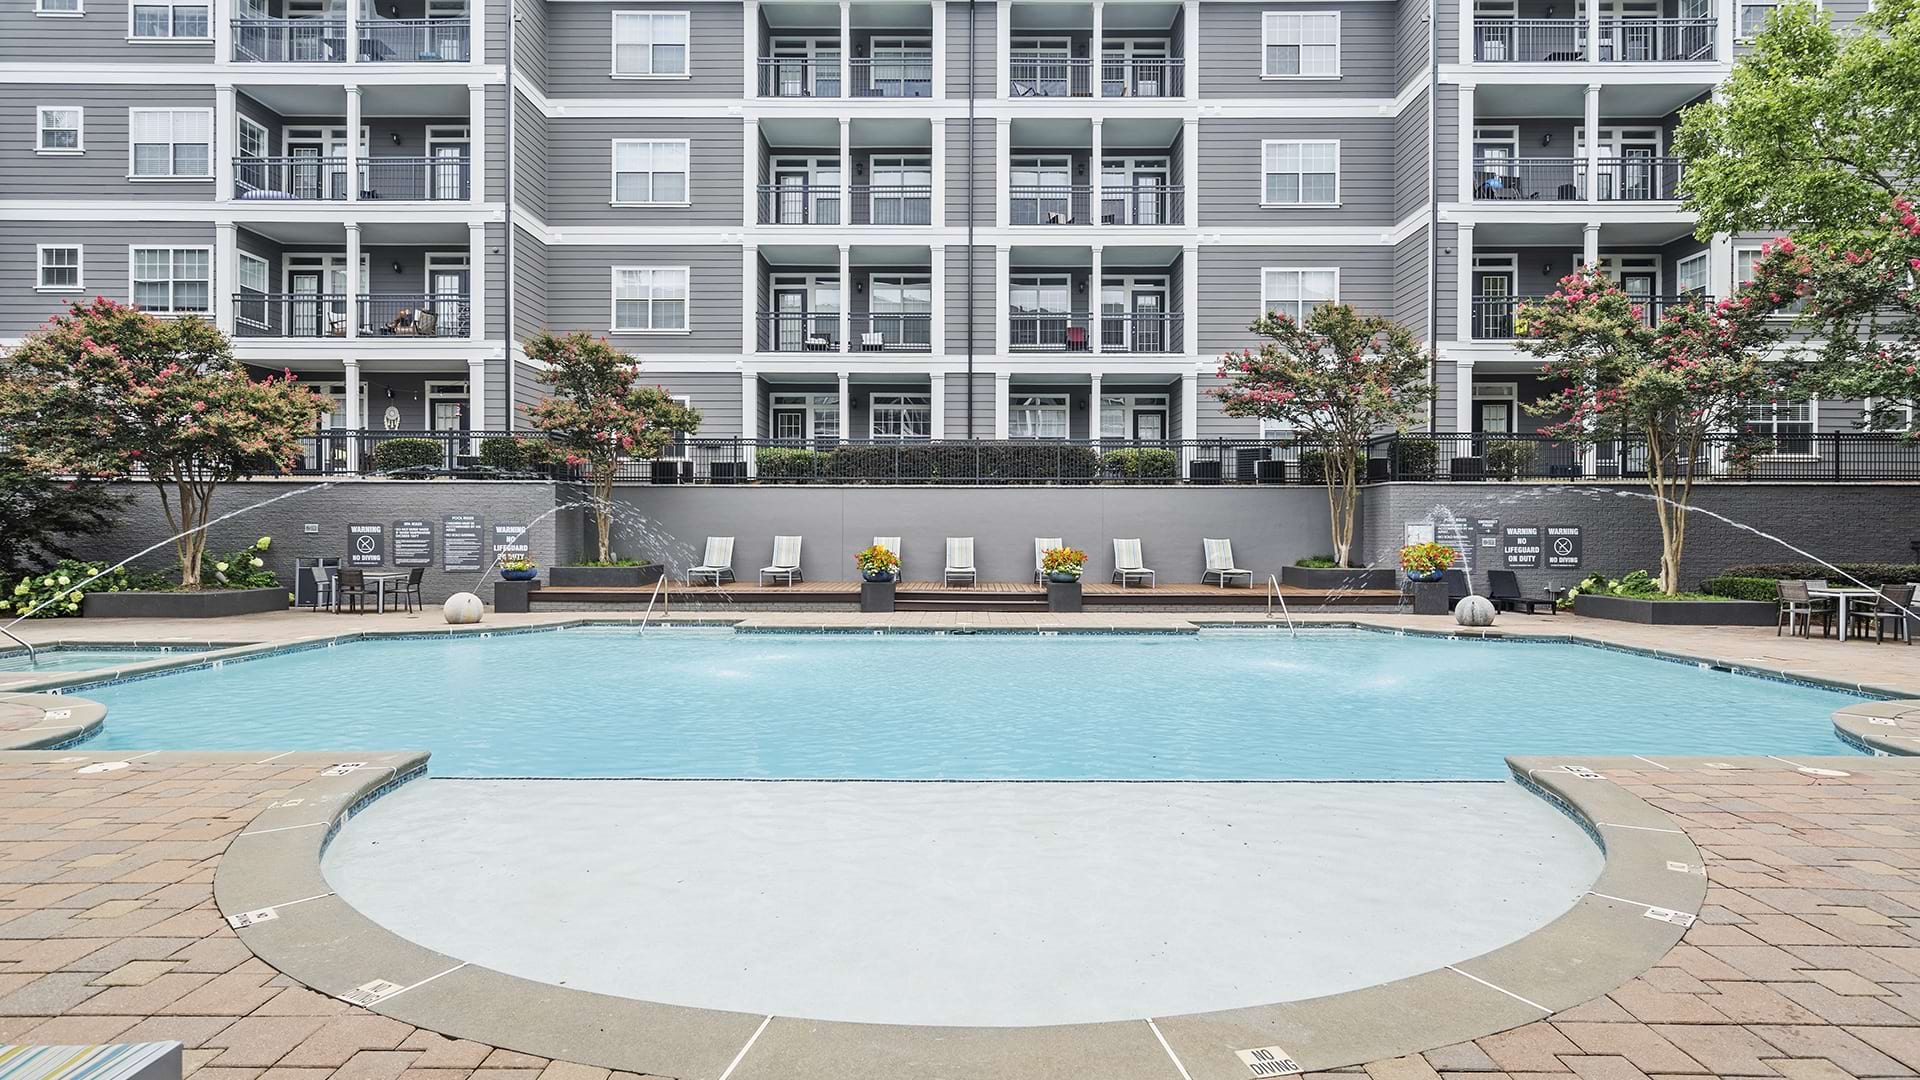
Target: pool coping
pixel 64 721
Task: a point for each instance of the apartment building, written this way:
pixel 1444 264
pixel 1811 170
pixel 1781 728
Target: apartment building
pixel 862 219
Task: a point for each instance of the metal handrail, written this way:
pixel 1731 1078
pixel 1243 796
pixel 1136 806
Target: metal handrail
pixel 644 616
pixel 1273 591
pixel 33 656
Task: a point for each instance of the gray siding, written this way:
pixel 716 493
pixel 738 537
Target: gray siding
pixel 1231 180
pixel 100 172
pixel 494 258
pixel 1412 264
pixel 1446 143
pixel 1231 60
pixel 1210 422
pixel 985 40
pixel 1412 160
pixel 984 300
pixel 531 174
pixel 579 172
pixel 100 36
pixel 495 164
pixel 985 202
pixel 1230 282
pixel 1410 42
pixel 715 394
pixel 580 296
pixel 581 52
pixel 1446 279
pixel 529 285
pixel 104 262
pixel 530 43
pixel 527 390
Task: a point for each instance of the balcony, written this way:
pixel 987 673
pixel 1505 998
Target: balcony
pixel 324 40
pixel 1634 179
pixel 815 76
pixel 1556 41
pixel 1032 74
pixel 799 204
pixel 799 331
pixel 888 204
pixel 908 75
pixel 1142 204
pixel 890 332
pixel 1493 317
pixel 324 179
pixel 1049 332
pixel 1056 204
pixel 1140 332
pixel 1142 77
pixel 415 315
pixel 384 316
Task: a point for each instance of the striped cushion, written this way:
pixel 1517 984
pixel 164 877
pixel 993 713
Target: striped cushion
pixel 118 1061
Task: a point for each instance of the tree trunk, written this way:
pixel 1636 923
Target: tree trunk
pixel 1340 500
pixel 603 509
pixel 1670 509
pixel 186 513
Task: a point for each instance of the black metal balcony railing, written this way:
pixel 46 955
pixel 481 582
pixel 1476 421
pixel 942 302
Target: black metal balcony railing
pixel 290 41
pixel 1124 462
pixel 304 178
pixel 1529 41
pixel 1493 317
pixel 1756 454
pixel 435 179
pixel 289 315
pixel 799 331
pixel 799 204
pixel 1642 40
pixel 426 315
pixel 1142 204
pixel 433 41
pixel 1640 178
pixel 1049 333
pixel 890 204
pixel 1553 41
pixel 1062 204
pixel 892 77
pixel 800 76
pixel 1562 179
pixel 907 331
pixel 1140 332
pixel 1142 77
pixel 1049 76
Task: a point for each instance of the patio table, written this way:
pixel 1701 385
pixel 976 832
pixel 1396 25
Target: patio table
pixel 380 590
pixel 1840 598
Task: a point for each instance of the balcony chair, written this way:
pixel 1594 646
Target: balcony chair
pixel 960 561
pixel 1042 545
pixel 1076 339
pixel 1128 564
pixel 786 560
pixel 1220 563
pixel 872 341
pixel 717 563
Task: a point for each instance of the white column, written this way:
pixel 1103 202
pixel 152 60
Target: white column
pixel 1094 207
pixel 1002 392
pixel 750 175
pixel 353 32
pixel 1093 299
pixel 1190 50
pixel 1002 171
pixel 1002 48
pixel 939 54
pixel 1590 244
pixel 226 274
pixel 1593 31
pixel 750 298
pixel 353 131
pixel 846 54
pixel 1190 300
pixel 354 285
pixel 1189 415
pixel 1720 265
pixel 223 33
pixel 846 303
pixel 1093 64
pixel 1462 394
pixel 1466 35
pixel 226 125
pixel 1002 336
pixel 1465 136
pixel 1593 142
pixel 937 321
pixel 937 197
pixel 477 281
pixel 750 416
pixel 937 388
pixel 1463 285
pixel 477 36
pixel 1093 411
pixel 1726 16
pixel 846 407
pixel 1189 177
pixel 750 61
pixel 477 397
pixel 477 144
pixel 350 374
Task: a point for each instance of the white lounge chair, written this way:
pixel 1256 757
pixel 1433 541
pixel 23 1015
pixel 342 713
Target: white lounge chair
pixel 1127 563
pixel 717 563
pixel 1220 563
pixel 786 560
pixel 1042 545
pixel 960 560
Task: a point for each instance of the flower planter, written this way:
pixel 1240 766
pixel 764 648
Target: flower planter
pixel 203 604
pixel 604 577
pixel 1329 579
pixel 876 576
pixel 514 597
pixel 1063 595
pixel 876 597
pixel 519 575
pixel 1430 598
pixel 1677 612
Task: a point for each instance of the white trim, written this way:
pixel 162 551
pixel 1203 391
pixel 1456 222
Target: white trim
pixel 244 125
pixel 432 391
pixel 1266 304
pixel 1042 403
pixel 444 260
pixel 133 112
pixel 169 37
pixel 613 300
pixel 1705 258
pixel 613 46
pixel 79 10
pixel 242 258
pixel 40 130
pixel 1266 42
pixel 902 402
pixel 79 268
pixel 172 250
pixel 1265 143
pixel 613 173
pixel 1773 428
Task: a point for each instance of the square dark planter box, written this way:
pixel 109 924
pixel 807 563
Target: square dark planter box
pixel 514 596
pixel 1677 612
pixel 1331 578
pixel 604 577
pixel 1430 598
pixel 1063 596
pixel 876 596
pixel 204 604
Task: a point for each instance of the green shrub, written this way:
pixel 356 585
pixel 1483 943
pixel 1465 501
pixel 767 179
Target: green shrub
pixel 1742 588
pixel 243 569
pixel 514 455
pixel 1507 459
pixel 613 562
pixel 1317 562
pixel 396 455
pixel 21 595
pixel 1141 463
pixel 1414 457
pixel 787 463
pixel 1874 574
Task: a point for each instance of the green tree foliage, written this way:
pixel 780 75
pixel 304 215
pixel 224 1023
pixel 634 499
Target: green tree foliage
pixel 39 511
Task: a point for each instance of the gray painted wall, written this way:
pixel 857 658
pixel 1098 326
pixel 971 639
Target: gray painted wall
pixel 104 244
pixel 1230 285
pixel 100 172
pixel 1231 180
pixel 1231 63
pixel 580 294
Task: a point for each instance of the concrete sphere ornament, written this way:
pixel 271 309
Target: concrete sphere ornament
pixel 1473 611
pixel 462 609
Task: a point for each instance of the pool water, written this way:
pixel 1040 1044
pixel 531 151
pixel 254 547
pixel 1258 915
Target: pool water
pixel 1328 705
pixel 63 659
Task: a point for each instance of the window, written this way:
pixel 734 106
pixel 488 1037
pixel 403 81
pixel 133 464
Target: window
pixel 60 129
pixel 650 44
pixel 650 299
pixel 1744 259
pixel 1691 275
pixel 1788 423
pixel 252 287
pixel 1037 416
pixel 251 138
pixel 59 268
pixel 171 144
pixel 1295 292
pixel 173 281
pixel 1301 45
pixel 169 19
pixel 58 7
pixel 650 172
pixel 901 416
pixel 1300 173
pixel 1753 17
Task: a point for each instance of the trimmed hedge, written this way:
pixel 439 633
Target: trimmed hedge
pixel 514 455
pixel 1141 463
pixel 1874 574
pixel 399 454
pixel 1741 588
pixel 1415 457
pixel 923 463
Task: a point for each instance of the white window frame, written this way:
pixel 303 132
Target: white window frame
pixel 40 130
pixel 1701 259
pixel 1262 178
pixel 822 412
pixel 1740 16
pixel 613 46
pixel 1268 21
pixel 244 126
pixel 1022 406
pixel 1267 302
pixel 171 177
pixel 1772 427
pixel 133 264
pixel 900 403
pixel 243 260
pixel 1910 408
pixel 1125 405
pixel 40 268
pixel 613 290
pixel 613 173
pixel 79 10
pixel 170 37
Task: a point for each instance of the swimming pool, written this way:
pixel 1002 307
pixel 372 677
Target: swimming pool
pixel 77 658
pixel 1328 705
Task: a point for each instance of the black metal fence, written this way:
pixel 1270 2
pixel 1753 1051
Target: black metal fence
pixel 1012 461
pixel 906 76
pixel 800 76
pixel 1142 77
pixel 474 455
pixel 1785 455
pixel 1049 75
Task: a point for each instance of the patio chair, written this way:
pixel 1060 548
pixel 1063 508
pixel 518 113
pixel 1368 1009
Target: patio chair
pixel 1503 588
pixel 410 595
pixel 872 341
pixel 1220 563
pixel 717 563
pixel 1796 606
pixel 325 582
pixel 1042 545
pixel 352 584
pixel 1889 610
pixel 960 561
pixel 786 560
pixel 1458 586
pixel 1127 563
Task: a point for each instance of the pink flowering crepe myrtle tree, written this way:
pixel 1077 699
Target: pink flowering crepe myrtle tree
pixel 1674 387
pixel 1336 379
pixel 106 391
pixel 598 415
